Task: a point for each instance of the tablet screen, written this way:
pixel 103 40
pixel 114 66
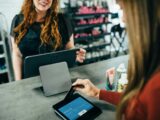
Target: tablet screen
pixel 75 108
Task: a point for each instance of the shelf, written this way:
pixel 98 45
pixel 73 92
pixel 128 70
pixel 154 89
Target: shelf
pixel 2 55
pixel 98 46
pixel 81 27
pixel 94 44
pixel 101 46
pixel 90 37
pixel 1 43
pixel 97 58
pixel 79 16
pixel 3 71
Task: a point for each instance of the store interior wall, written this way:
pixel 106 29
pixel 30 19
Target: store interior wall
pixel 9 8
pixel 12 7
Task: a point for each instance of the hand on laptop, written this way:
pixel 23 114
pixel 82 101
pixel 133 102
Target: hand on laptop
pixel 88 88
pixel 81 55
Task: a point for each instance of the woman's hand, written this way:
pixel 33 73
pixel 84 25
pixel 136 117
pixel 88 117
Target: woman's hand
pixel 81 55
pixel 86 87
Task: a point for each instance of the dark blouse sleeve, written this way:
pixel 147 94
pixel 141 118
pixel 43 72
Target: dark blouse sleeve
pixel 15 22
pixel 13 25
pixel 64 28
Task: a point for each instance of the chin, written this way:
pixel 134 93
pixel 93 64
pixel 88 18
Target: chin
pixel 42 9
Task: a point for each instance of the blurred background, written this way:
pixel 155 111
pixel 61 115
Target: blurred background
pixel 97 26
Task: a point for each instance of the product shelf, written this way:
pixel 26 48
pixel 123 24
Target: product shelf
pixel 90 37
pixel 86 26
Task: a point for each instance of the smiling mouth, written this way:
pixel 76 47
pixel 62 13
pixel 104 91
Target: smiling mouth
pixel 43 3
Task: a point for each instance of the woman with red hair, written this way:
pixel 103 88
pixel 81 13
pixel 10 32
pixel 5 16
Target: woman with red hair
pixel 39 29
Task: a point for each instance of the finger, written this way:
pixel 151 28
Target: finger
pixel 82 50
pixel 77 52
pixel 80 60
pixel 82 90
pixel 82 55
pixel 78 82
pixel 86 81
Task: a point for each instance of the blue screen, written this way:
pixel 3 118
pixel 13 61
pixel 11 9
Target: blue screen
pixel 76 108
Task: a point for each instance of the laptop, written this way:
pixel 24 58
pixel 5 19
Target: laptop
pixel 55 78
pixel 32 63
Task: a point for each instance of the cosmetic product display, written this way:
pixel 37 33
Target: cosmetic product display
pixel 121 74
pixel 110 79
pixel 91 24
pixel 91 10
pixel 122 82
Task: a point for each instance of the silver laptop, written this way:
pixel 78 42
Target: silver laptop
pixel 55 78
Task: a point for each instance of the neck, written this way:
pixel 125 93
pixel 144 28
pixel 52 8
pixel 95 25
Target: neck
pixel 40 16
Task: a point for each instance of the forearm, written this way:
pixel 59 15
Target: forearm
pixel 17 66
pixel 16 60
pixel 70 44
pixel 111 97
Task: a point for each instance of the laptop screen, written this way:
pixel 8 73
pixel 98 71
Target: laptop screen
pixel 32 63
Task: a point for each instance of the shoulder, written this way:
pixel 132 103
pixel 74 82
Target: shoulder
pixel 154 82
pixel 64 23
pixel 150 97
pixel 60 15
pixel 151 91
pixel 17 19
pixel 15 22
pixel 61 18
pixel 65 27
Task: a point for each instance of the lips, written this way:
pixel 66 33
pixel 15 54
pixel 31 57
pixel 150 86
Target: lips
pixel 43 3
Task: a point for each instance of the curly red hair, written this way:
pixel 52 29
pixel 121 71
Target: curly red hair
pixel 49 28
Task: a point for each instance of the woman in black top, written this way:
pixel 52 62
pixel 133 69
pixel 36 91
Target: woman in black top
pixel 39 29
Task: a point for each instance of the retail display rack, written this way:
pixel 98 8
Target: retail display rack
pixel 91 27
pixel 6 69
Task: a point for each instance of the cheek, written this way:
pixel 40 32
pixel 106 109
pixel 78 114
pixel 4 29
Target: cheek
pixel 35 2
pixel 121 4
pixel 124 17
pixel 49 6
pixel 50 2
